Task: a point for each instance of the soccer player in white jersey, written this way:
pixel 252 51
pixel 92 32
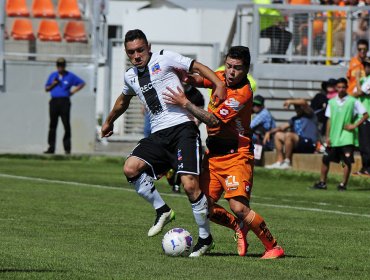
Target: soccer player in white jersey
pixel 174 142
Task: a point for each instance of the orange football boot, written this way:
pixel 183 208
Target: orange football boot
pixel 274 253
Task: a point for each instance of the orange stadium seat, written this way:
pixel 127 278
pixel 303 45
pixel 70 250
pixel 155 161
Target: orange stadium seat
pixel 22 30
pixel 49 31
pixel 43 8
pixel 17 8
pixel 69 9
pixel 74 31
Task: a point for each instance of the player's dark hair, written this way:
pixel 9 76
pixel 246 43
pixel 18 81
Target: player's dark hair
pixel 242 53
pixel 363 42
pixel 134 34
pixel 342 81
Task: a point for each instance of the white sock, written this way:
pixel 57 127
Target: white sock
pixel 287 160
pixel 144 187
pixel 200 212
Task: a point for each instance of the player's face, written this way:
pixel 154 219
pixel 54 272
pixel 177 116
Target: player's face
pixel 138 51
pixel 235 71
pixel 341 89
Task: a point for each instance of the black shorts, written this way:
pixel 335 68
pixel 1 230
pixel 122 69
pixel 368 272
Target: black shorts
pixel 176 147
pixel 305 146
pixel 338 154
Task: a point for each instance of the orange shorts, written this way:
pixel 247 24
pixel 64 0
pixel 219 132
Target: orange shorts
pixel 232 173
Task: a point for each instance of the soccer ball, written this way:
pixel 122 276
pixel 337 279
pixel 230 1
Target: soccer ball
pixel 177 242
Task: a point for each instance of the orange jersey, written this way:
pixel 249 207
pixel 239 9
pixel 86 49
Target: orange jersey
pixel 234 114
pixel 355 65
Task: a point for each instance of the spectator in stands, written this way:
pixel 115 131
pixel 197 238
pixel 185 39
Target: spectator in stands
pixel 363 90
pixel 356 67
pixel 300 27
pixel 340 134
pixel 339 28
pixel 301 139
pixel 261 123
pixel 362 31
pixel 272 26
pixel 320 101
pixel 62 84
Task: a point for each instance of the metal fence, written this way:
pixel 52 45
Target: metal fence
pixel 320 34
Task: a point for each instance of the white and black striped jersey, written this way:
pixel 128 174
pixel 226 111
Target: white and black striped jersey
pixel 150 83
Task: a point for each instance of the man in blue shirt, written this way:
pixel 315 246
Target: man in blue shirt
pixel 262 122
pixel 60 85
pixel 301 138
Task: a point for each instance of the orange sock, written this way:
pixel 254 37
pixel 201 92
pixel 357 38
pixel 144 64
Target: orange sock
pixel 258 226
pixel 221 216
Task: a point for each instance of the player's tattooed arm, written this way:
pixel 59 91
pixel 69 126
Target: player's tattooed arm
pixel 208 118
pixel 179 98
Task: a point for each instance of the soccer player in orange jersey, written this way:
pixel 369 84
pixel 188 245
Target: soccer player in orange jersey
pixel 228 164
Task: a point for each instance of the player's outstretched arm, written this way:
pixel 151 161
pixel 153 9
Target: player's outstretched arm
pixel 220 88
pixel 179 98
pixel 120 106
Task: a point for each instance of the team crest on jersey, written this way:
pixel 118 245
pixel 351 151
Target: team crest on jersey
pixel 156 69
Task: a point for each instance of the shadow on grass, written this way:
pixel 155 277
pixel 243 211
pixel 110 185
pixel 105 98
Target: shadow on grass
pixel 31 270
pixel 257 256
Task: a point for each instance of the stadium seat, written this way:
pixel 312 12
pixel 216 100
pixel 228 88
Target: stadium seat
pixel 69 9
pixel 74 31
pixel 49 31
pixel 43 8
pixel 17 8
pixel 22 30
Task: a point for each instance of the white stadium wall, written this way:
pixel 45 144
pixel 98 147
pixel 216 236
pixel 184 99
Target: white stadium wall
pixel 24 115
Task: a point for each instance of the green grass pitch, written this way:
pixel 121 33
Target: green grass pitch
pixel 78 218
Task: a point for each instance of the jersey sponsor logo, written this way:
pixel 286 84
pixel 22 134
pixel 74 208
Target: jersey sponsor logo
pixel 149 86
pixel 231 183
pixel 156 69
pixel 233 103
pixel 223 111
pixel 149 92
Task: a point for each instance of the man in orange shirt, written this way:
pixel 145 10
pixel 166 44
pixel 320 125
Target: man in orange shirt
pixel 356 65
pixel 228 164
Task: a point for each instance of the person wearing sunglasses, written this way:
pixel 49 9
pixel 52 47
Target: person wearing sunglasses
pixel 356 65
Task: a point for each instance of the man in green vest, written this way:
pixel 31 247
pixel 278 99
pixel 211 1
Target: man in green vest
pixel 340 137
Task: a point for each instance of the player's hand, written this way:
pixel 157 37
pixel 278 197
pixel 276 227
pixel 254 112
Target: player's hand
pixel 173 97
pixel 349 127
pixel 219 95
pixel 328 142
pixel 286 104
pixel 266 138
pixel 106 130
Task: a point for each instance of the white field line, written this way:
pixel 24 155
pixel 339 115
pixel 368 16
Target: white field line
pixel 176 195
